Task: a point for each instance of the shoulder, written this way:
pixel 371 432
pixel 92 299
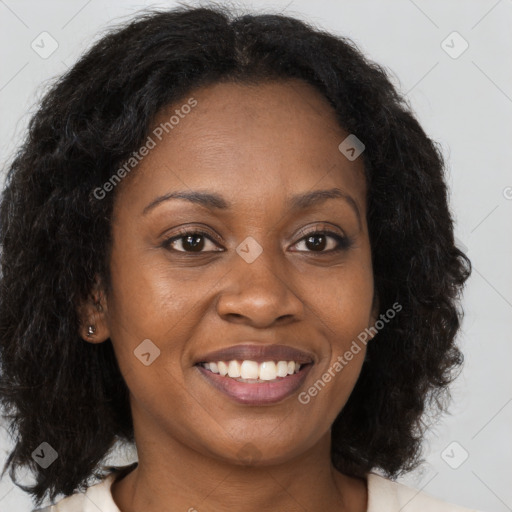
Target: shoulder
pixel 97 497
pixel 385 495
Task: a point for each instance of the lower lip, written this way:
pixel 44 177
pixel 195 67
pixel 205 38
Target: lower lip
pixel 258 393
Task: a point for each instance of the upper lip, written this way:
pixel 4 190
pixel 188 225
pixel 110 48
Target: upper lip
pixel 258 353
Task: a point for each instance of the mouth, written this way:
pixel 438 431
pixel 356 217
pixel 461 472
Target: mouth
pixel 255 383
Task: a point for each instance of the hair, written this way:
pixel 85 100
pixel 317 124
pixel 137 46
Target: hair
pixel 56 236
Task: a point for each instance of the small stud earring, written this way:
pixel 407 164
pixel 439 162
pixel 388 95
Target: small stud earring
pixel 91 330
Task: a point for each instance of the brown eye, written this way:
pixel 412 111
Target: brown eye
pixel 197 242
pixel 190 241
pixel 318 241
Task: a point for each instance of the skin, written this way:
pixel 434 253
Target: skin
pixel 256 146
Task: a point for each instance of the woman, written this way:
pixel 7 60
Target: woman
pixel 227 241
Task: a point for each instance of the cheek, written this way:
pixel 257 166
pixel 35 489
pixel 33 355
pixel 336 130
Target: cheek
pixel 148 295
pixel 153 300
pixel 150 314
pixel 342 305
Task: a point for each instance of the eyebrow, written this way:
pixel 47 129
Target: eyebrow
pixel 213 201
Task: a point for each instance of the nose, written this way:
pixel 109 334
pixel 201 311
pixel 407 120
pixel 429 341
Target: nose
pixel 260 294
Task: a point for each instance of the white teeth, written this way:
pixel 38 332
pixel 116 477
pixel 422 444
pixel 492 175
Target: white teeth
pixel 251 370
pixel 223 368
pixel 234 369
pixel 268 370
pixel 282 369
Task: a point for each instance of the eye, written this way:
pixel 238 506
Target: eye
pixel 317 241
pixel 196 241
pixel 192 241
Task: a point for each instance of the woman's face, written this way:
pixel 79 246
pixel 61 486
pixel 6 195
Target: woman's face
pixel 255 278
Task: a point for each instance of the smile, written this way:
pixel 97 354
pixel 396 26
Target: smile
pixel 252 371
pixel 253 383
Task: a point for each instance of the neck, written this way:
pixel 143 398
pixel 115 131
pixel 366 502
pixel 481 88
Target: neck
pixel 173 477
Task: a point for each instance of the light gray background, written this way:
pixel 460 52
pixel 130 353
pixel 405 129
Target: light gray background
pixel 465 103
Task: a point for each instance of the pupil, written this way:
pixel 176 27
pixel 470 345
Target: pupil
pixel 195 242
pixel 317 245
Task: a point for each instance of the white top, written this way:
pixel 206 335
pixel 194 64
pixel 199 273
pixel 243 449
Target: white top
pixel 383 496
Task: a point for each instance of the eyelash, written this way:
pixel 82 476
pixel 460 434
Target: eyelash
pixel 344 243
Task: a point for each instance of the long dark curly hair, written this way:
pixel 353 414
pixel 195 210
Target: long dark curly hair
pixel 55 237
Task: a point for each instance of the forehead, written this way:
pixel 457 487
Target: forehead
pixel 247 142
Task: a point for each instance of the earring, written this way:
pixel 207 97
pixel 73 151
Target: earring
pixel 91 330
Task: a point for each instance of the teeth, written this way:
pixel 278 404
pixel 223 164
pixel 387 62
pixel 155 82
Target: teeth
pixel 268 370
pixel 252 371
pixel 249 370
pixel 282 368
pixel 234 369
pixel 223 368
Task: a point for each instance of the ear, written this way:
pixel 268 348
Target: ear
pixel 93 314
